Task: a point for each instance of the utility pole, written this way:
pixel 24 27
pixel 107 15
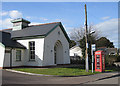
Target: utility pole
pixel 86 40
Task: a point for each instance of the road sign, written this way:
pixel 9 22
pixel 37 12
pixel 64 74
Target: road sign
pixel 93 47
pixel 92 51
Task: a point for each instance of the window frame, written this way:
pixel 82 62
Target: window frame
pixel 18 54
pixel 32 51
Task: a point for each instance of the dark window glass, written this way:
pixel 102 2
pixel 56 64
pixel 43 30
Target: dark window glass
pixel 98 61
pixel 18 55
pixel 32 50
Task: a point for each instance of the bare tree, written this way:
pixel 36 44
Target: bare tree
pixel 97 34
pixel 78 33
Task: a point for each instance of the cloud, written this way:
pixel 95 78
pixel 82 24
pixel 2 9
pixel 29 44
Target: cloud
pixel 37 18
pixel 68 30
pixel 15 14
pixel 61 20
pixel 58 19
pixel 12 14
pixel 35 23
pixel 6 23
pixel 32 17
pixel 28 17
pixel 4 13
pixel 105 18
pixel 44 19
pixel 109 29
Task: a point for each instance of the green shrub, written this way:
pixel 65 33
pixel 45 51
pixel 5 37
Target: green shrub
pixel 77 60
pixel 110 59
pixel 118 58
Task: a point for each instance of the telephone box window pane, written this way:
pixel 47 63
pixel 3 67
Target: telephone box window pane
pixel 98 61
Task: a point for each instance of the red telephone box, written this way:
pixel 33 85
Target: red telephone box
pixel 99 61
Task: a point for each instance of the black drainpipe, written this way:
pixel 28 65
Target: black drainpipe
pixel 11 58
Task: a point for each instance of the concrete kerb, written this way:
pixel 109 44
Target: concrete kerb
pixel 27 73
pixel 49 75
pixel 43 74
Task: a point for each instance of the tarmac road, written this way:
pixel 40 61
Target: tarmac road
pixel 15 79
pixel 115 79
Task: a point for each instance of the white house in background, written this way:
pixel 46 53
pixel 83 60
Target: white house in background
pixel 75 51
pixel 36 45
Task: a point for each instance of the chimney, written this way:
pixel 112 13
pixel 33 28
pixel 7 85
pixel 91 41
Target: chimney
pixel 19 24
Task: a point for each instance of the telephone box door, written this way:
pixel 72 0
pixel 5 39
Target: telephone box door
pixel 99 61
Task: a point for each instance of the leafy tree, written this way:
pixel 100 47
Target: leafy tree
pixel 72 43
pixel 104 42
pixel 82 46
pixel 91 40
pixel 79 36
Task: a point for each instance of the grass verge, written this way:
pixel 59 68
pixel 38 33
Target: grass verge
pixel 66 71
pixel 57 71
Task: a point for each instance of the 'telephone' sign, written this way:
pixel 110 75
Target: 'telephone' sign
pixel 93 47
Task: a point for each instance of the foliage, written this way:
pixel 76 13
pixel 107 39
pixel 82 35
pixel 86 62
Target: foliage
pixel 112 68
pixel 72 43
pixel 118 58
pixel 104 42
pixel 82 46
pixel 110 59
pixel 91 40
pixel 79 36
pixel 77 60
pixel 78 33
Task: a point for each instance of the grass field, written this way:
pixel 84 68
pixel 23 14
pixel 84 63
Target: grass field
pixel 58 71
pixel 65 71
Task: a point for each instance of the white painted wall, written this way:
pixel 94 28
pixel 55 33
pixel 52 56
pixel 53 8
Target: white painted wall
pixel 14 62
pixel 17 63
pixel 6 59
pixel 2 51
pixel 44 51
pixel 50 41
pixel 76 50
pixel 39 47
pixel 59 53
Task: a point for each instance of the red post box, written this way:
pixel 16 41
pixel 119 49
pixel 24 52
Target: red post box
pixel 99 61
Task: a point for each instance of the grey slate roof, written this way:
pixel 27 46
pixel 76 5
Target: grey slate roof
pixel 41 30
pixel 38 30
pixel 5 39
pixel 7 30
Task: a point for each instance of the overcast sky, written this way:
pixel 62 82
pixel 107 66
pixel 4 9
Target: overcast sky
pixel 104 15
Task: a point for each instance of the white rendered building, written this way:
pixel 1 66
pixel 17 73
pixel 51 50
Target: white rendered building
pixel 36 45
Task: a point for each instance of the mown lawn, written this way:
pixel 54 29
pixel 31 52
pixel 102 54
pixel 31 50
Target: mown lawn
pixel 57 71
pixel 66 71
